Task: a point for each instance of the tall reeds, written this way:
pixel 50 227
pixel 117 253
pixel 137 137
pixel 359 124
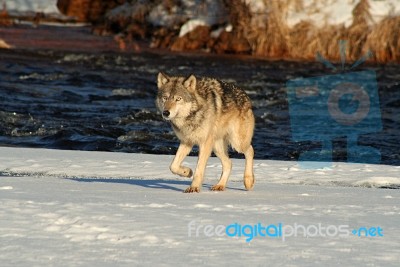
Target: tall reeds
pixel 269 35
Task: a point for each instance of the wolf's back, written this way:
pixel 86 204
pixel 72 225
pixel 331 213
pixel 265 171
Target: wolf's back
pixel 229 95
pixel 233 95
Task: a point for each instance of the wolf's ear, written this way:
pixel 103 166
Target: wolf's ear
pixel 190 83
pixel 162 79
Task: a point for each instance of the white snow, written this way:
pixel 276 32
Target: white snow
pixel 319 12
pixel 209 12
pixel 74 208
pixel 336 12
pixel 21 6
pixel 190 25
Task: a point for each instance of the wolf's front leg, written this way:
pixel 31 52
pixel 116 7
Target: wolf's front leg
pixel 204 153
pixel 176 167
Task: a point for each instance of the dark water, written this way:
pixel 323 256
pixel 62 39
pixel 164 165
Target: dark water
pixel 105 102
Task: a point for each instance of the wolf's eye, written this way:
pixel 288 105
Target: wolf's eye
pixel 178 98
pixel 165 98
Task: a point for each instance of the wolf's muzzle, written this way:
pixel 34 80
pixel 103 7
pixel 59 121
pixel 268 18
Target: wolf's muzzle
pixel 166 113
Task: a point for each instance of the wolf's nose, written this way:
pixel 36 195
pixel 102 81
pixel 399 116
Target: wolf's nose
pixel 166 113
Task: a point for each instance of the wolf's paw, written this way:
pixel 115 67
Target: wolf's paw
pixel 182 171
pixel 218 187
pixel 192 189
pixel 186 172
pixel 248 182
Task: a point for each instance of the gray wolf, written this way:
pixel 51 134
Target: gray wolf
pixel 211 114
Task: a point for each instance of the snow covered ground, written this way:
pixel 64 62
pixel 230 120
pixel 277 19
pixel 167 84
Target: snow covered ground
pixel 73 208
pixel 21 6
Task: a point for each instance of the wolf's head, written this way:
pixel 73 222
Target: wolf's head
pixel 175 96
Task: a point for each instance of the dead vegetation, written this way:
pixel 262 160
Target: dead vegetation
pixel 384 40
pixel 274 39
pixel 264 33
pixel 5 19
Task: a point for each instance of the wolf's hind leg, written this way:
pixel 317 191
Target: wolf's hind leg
pixel 240 139
pixel 176 166
pixel 248 171
pixel 220 149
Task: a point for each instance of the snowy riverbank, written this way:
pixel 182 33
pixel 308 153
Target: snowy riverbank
pixel 268 29
pixel 73 208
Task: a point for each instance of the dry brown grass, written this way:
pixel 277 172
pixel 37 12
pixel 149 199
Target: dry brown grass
pixel 301 35
pixel 384 40
pixel 240 17
pixel 274 38
pixel 357 33
pixel 234 41
pixel 265 33
pixel 5 19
